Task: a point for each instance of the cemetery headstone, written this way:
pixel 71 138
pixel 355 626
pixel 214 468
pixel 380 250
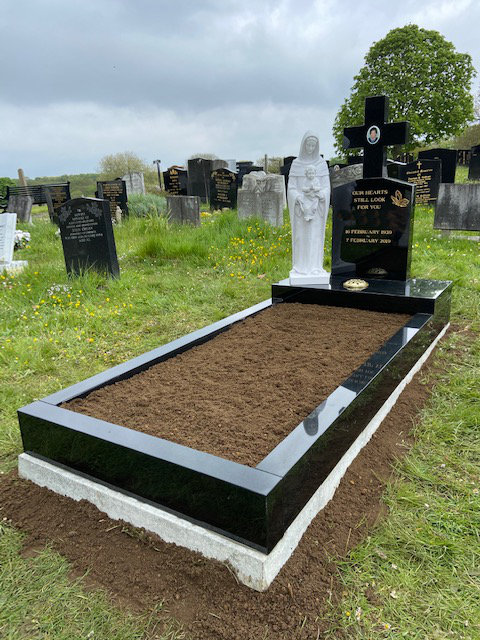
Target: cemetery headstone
pixel 243 168
pixel 474 164
pixel 115 191
pixel 135 182
pixel 8 224
pixel 260 196
pixel 232 165
pixel 223 189
pixel 373 216
pixel 87 236
pixel 285 168
pixel 21 204
pixel 394 168
pixel 175 180
pixel 344 175
pixel 458 207
pixel 425 174
pixel 463 157
pixel 56 195
pixel 199 170
pixel 448 158
pixel 355 159
pixel 184 209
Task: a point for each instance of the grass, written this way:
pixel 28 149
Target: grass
pixel 58 330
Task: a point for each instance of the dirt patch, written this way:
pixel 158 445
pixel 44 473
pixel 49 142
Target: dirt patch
pixel 139 570
pixel 240 394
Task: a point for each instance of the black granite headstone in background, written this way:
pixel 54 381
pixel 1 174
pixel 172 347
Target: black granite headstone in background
pixel 425 174
pixel 448 158
pixel 87 236
pixel 56 195
pixel 176 181
pixel 199 170
pixel 285 168
pixel 372 225
pixel 223 189
pixel 115 191
pixel 474 164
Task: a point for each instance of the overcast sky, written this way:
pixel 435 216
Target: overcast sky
pixel 169 79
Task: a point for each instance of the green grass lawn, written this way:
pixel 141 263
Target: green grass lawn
pixel 58 330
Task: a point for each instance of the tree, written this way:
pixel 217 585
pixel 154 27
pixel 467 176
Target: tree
pixel 205 156
pixel 427 80
pixel 117 165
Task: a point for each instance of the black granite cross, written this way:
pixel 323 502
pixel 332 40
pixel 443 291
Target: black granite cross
pixel 375 135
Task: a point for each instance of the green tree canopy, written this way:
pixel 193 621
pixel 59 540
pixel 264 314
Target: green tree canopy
pixel 427 80
pixel 117 165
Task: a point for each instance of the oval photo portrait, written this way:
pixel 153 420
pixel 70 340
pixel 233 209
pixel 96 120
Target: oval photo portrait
pixel 373 134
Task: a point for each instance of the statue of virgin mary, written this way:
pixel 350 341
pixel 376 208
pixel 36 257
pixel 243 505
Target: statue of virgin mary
pixel 308 201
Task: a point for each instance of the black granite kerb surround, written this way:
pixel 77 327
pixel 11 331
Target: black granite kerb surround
pixel 252 505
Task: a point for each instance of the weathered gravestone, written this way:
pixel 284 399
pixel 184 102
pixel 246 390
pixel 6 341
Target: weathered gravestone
pixel 448 158
pixel 425 174
pixel 199 170
pixel 56 195
pixel 343 175
pixel 394 169
pixel 373 216
pixel 260 196
pixel 87 236
pixel 184 209
pixel 8 224
pixel 474 164
pixel 115 191
pixel 134 182
pixel 458 207
pixel 176 181
pixel 21 204
pixel 223 189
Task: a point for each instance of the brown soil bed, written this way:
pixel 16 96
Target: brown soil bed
pixel 240 394
pixel 139 571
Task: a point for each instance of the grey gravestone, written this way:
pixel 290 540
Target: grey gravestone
pixel 55 196
pixel 115 191
pixel 87 236
pixel 22 206
pixel 344 175
pixel 199 170
pixel 134 182
pixel 474 164
pixel 223 189
pixel 184 209
pixel 458 207
pixel 175 180
pixel 260 196
pixel 425 174
pixel 448 158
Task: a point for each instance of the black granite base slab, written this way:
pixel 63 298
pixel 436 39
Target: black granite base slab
pixel 252 505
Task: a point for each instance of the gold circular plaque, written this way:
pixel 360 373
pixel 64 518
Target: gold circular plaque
pixel 355 284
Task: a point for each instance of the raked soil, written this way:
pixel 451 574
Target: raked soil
pixel 238 395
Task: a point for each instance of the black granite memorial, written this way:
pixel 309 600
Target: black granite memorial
pixel 243 167
pixel 56 195
pixel 426 175
pixel 223 189
pixel 474 164
pixel 199 170
pixel 251 505
pixel 373 216
pixel 285 168
pixel 115 191
pixel 176 181
pixel 87 236
pixel 448 158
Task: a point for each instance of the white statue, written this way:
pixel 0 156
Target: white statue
pixel 308 201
